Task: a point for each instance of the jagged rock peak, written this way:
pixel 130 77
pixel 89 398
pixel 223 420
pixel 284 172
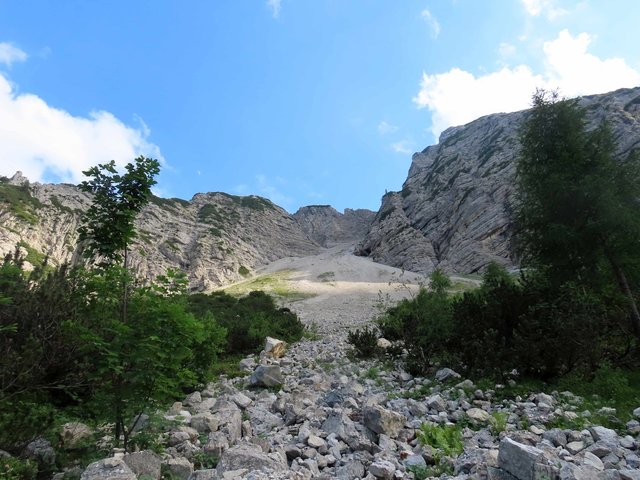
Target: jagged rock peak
pixel 458 196
pixel 328 227
pixel 18 179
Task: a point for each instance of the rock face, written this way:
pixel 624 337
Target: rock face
pixel 215 238
pixel 454 208
pixel 328 227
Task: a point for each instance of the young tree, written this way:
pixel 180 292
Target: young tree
pixel 578 214
pixel 108 226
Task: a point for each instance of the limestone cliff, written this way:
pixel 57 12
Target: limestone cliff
pixel 454 208
pixel 328 227
pixel 215 238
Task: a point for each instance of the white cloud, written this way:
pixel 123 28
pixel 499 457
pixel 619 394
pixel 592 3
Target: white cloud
pixel 432 22
pixel 537 7
pixel 47 143
pixel 10 54
pixel 385 128
pixel 457 96
pixel 405 147
pixel 274 5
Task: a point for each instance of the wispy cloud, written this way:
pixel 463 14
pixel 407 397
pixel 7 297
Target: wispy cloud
pixel 271 188
pixel 385 128
pixel 457 96
pixel 9 54
pixel 432 21
pixel 537 7
pixel 274 6
pixel 50 144
pixel 405 146
pixel 506 50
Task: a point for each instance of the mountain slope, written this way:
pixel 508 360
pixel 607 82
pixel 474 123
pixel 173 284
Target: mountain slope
pixel 454 208
pixel 328 227
pixel 215 238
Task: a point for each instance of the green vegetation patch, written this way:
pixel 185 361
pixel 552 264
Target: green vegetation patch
pixel 172 203
pixel 20 201
pixel 252 202
pixel 55 201
pixel 34 257
pixel 274 283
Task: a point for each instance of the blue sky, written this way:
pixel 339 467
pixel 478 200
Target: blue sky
pixel 303 102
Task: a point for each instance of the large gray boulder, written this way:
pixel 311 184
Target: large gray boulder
pixel 382 420
pixel 266 376
pixel 145 463
pixel 250 458
pixel 42 452
pixel 523 461
pixel 108 469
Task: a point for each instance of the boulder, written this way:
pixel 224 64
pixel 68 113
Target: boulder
pixel 73 433
pixel 382 469
pixel 274 348
pixel 145 463
pixel 522 461
pixel 42 452
pixel 382 420
pixel 266 376
pixel 251 458
pixel 478 416
pixel 445 374
pixel 179 468
pixel 108 469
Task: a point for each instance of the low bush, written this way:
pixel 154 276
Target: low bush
pixel 247 320
pixel 531 324
pixel 364 342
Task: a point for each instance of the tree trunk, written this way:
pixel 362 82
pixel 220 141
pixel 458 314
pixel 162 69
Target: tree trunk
pixel 626 291
pixel 125 286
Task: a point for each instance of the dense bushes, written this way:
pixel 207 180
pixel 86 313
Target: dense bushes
pixel 65 346
pixel 526 323
pixel 247 320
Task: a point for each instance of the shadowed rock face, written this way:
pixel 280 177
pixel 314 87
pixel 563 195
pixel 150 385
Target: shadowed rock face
pixel 328 227
pixel 454 210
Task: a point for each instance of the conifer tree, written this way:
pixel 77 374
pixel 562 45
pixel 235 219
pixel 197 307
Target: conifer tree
pixel 578 211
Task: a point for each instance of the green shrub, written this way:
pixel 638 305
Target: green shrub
pixel 498 422
pixel 247 320
pixel 446 440
pixel 423 324
pixel 17 469
pixel 364 342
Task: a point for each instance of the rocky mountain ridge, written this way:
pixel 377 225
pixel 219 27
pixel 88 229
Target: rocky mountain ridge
pixel 328 227
pixel 453 211
pixel 216 238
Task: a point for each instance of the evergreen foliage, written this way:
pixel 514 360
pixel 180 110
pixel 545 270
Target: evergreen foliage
pixel 577 214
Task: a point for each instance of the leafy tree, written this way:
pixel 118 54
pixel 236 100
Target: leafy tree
pixel 132 366
pixel 578 211
pixel 108 225
pixel 137 344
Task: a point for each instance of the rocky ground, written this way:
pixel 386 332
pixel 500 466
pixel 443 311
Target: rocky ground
pixel 315 413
